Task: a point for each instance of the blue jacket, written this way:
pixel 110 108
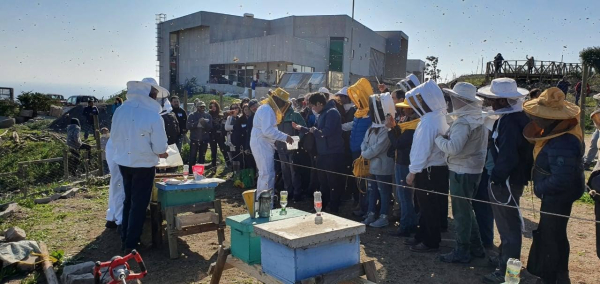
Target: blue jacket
pixel 359 128
pixel 514 159
pixel 328 133
pixel 558 173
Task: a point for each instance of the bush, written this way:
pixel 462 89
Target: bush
pixel 35 101
pixel 591 57
pixel 8 108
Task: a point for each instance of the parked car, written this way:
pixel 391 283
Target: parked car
pixel 58 98
pixel 77 100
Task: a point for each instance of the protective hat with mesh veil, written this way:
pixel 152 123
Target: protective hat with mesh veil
pixel 502 88
pixel 408 83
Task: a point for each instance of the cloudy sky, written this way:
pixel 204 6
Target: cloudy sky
pixel 95 47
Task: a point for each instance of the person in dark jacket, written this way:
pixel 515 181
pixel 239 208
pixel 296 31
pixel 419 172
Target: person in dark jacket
pixel 181 115
pixel 563 85
pixel 558 180
pixel 171 123
pixel 401 138
pixel 239 138
pixel 217 134
pixel 89 112
pixel 308 150
pixel 117 104
pixel 199 123
pixel 498 63
pixel 291 176
pixel 512 156
pixel 330 146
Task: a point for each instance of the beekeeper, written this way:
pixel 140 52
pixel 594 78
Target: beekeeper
pixel 465 147
pixel 265 133
pixel 427 167
pixel 139 140
pixel 116 193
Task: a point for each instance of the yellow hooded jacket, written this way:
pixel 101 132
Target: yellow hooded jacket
pixel 359 94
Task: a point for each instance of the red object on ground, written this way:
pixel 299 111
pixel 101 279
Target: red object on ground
pixel 199 169
pixel 124 273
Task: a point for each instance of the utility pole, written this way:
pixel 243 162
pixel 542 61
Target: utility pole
pixel 351 47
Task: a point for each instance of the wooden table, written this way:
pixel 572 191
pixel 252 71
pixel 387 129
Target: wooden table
pixel 202 219
pixel 350 274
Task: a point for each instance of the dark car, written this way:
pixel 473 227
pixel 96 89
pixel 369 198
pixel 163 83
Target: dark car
pixel 58 98
pixel 76 100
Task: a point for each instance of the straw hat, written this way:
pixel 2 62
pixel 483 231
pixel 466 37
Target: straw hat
pixel 502 88
pixel 281 93
pixel 551 104
pixel 403 104
pixel 465 91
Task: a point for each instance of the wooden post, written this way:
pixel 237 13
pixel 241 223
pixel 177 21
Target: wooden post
pixel 98 146
pixel 221 98
pixel 47 265
pixel 221 260
pixel 583 95
pixel 22 173
pixel 66 162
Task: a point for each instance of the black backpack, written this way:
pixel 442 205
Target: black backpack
pixel 171 127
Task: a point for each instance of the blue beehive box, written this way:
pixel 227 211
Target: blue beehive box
pixel 245 245
pixel 296 249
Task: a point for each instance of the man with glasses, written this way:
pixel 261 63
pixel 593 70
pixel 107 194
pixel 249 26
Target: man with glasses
pixel 181 118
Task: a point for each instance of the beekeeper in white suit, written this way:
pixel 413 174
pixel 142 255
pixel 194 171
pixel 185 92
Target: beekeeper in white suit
pixel 265 133
pixel 139 140
pixel 116 193
pixel 428 169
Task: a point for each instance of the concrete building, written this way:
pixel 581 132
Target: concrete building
pixel 417 67
pixel 226 49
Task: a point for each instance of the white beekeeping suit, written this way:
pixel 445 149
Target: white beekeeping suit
pixel 262 140
pixel 428 102
pixel 116 192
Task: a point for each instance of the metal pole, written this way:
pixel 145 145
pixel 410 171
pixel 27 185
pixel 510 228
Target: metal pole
pixel 583 95
pixel 351 47
pixel 98 146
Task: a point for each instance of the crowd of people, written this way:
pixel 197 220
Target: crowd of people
pixel 414 145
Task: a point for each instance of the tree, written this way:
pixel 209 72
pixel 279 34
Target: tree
pixel 431 69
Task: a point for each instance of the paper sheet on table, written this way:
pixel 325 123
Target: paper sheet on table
pixel 174 159
pixel 205 181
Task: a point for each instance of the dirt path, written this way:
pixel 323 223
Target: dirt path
pixel 78 228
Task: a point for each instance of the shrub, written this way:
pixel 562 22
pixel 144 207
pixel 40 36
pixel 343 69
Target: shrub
pixel 591 57
pixel 8 108
pixel 34 101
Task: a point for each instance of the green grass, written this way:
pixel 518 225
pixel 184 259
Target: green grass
pixel 206 98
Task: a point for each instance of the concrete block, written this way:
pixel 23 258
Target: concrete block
pixel 15 234
pixel 77 269
pixel 26 113
pixel 48 199
pixel 9 210
pixel 87 278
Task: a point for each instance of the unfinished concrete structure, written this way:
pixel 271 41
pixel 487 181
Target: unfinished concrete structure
pixel 226 49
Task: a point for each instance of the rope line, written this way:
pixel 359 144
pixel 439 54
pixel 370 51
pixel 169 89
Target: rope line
pixel 449 194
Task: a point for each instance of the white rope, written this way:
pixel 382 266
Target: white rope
pixel 448 194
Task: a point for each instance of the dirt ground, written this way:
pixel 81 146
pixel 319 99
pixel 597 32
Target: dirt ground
pixel 79 231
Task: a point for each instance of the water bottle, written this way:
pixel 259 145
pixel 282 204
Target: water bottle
pixel 513 271
pixel 318 207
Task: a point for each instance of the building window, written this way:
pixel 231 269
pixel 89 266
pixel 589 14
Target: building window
pixel 173 56
pixel 336 54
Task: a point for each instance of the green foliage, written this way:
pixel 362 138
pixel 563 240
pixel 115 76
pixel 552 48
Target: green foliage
pixel 121 95
pixel 586 198
pixel 591 57
pixel 191 85
pixel 431 69
pixel 8 108
pixel 35 101
pixel 59 255
pixel 206 98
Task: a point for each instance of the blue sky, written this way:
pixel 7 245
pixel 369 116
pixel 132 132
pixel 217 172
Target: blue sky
pixel 95 47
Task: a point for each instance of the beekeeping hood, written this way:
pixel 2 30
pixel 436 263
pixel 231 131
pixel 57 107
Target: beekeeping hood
pixel 427 98
pixel 359 94
pixel 380 106
pixel 411 81
pixel 465 104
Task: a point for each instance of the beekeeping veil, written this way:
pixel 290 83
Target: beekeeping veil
pixel 359 94
pixel 465 104
pixel 505 88
pixel 380 106
pixel 410 82
pixel 427 98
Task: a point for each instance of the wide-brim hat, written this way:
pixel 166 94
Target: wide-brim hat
pixel 551 104
pixel 465 91
pixel 150 82
pixel 403 104
pixel 281 93
pixel 502 88
pixel 323 90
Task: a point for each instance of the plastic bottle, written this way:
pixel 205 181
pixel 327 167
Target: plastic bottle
pixel 513 271
pixel 318 207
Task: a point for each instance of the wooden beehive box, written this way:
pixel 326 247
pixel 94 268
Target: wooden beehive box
pixel 295 249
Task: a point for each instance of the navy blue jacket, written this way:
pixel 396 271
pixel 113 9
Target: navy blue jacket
pixel 328 135
pixel 516 153
pixel 359 128
pixel 401 145
pixel 558 173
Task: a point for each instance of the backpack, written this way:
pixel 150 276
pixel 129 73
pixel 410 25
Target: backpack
pixel 171 127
